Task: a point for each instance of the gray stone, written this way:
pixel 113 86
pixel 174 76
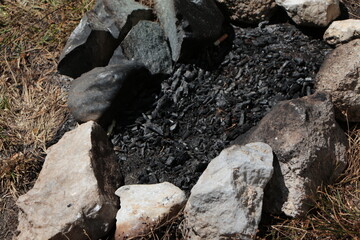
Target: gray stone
pixel 147 44
pixel 310 150
pixel 145 207
pixel 318 13
pixel 249 11
pixel 339 75
pixel 100 31
pixel 187 21
pixel 73 197
pixel 101 93
pixel 342 31
pixel 227 200
pixel 118 57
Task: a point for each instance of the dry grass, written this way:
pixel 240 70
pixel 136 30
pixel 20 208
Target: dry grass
pixel 353 7
pixel 32 105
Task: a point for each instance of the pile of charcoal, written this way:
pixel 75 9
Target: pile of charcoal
pixel 209 101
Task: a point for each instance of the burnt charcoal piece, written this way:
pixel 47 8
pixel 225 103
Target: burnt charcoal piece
pixel 102 93
pixel 188 21
pixel 100 31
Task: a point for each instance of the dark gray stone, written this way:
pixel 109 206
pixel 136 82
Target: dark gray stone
pixel 99 32
pixel 309 147
pixel 101 93
pixel 188 21
pixel 118 57
pixel 147 44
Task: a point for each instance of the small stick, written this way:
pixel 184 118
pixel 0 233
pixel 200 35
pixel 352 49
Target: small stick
pixel 221 39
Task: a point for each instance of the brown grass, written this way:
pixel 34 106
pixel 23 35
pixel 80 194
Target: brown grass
pixel 32 106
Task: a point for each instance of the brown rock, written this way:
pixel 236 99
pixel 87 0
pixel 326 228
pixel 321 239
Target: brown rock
pixel 73 198
pixel 249 11
pixel 339 75
pixel 309 147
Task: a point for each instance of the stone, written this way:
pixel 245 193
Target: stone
pixel 186 22
pixel 73 197
pixel 339 75
pixel 226 202
pixel 147 44
pixel 249 11
pixel 342 31
pixel 145 207
pixel 98 34
pixel 118 57
pixel 318 13
pixel 101 93
pixel 309 147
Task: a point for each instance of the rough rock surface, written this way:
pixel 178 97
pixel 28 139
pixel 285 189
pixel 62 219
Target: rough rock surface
pixel 340 76
pixel 249 11
pixel 318 13
pixel 99 32
pixel 187 21
pixel 227 200
pixel 342 31
pixel 310 150
pixel 146 43
pixel 144 207
pixel 73 197
pixel 104 91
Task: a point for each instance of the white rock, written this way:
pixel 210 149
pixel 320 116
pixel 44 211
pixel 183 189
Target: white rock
pixel 342 31
pixel 144 207
pixel 311 12
pixel 226 202
pixel 339 75
pixel 74 195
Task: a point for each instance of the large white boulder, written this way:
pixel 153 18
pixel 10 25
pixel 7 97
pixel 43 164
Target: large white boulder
pixel 311 12
pixel 73 198
pixel 342 31
pixel 144 207
pixel 227 200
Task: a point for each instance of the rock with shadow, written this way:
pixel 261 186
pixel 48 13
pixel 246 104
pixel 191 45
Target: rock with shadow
pixel 310 150
pixel 98 34
pixel 188 23
pixel 101 94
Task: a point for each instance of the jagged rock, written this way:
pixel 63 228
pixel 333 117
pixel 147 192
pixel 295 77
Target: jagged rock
pixel 339 75
pixel 226 201
pixel 147 44
pixel 73 197
pixel 188 21
pixel 249 11
pixel 342 31
pixel 310 150
pixel 101 93
pixel 144 207
pixel 318 13
pixel 118 57
pixel 100 31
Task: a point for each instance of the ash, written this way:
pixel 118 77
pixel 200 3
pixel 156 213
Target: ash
pixel 209 101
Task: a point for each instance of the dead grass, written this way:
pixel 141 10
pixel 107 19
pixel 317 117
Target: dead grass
pixel 32 106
